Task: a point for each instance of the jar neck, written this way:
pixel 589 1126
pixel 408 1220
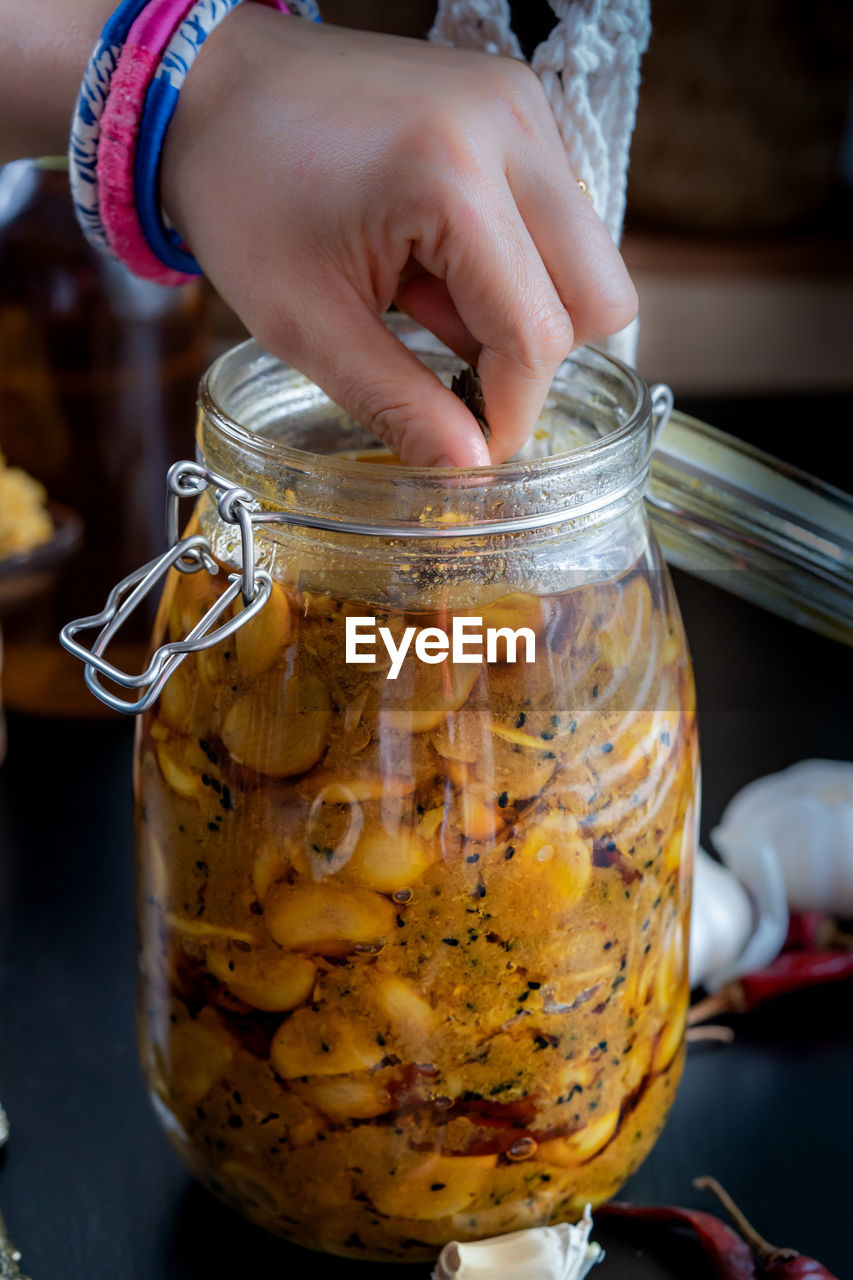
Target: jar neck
pixel 269 429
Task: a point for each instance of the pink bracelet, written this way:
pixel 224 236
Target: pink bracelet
pixel 140 57
pixel 119 126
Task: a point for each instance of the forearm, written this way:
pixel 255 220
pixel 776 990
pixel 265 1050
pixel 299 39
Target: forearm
pixel 44 45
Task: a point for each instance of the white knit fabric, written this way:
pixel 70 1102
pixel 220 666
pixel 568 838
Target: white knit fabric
pixel 589 66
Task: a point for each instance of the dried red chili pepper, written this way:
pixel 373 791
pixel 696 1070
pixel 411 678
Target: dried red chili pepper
pixel 730 1256
pixel 816 931
pixel 781 1264
pixel 790 971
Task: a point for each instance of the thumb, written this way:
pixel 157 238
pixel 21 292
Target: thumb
pixel 384 386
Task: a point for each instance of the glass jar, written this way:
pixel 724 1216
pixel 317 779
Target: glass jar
pixel 413 920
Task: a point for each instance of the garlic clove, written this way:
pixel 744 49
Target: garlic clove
pixel 563 1252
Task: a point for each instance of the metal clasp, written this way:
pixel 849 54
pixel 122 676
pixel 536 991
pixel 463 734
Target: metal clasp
pixel 187 555
pixel 662 405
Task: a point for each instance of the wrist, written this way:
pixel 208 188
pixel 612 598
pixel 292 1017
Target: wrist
pixel 206 106
pixel 43 54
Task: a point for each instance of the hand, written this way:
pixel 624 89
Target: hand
pixel 318 174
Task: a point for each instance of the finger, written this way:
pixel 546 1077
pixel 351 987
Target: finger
pixel 505 298
pixel 382 384
pixel 581 258
pixel 428 302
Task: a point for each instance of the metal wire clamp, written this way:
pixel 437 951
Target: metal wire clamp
pixel 187 555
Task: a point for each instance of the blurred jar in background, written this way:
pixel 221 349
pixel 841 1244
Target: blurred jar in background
pixel 98 374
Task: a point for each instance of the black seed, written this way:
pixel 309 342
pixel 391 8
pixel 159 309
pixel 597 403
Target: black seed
pixel 475 857
pixel 235 1122
pixel 607 748
pixel 451 942
pixel 438 1186
pixel 510 853
pixel 503 799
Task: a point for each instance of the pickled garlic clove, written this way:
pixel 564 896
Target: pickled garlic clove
pixel 346 1097
pixel 437 1186
pixel 192 594
pixel 178 700
pixel 182 779
pixel 462 736
pixel 327 919
pixel 563 1252
pixel 513 612
pixel 430 822
pixel 476 817
pixel 360 787
pixel 573 1150
pixel 387 861
pixel 557 845
pixel 264 979
pixel 638 1063
pixel 321 1042
pixel 200 1053
pixel 260 641
pixel 420 703
pixel 188 772
pixel 671 1037
pixel 404 1009
pixel 671 973
pixel 279 727
pixel 270 864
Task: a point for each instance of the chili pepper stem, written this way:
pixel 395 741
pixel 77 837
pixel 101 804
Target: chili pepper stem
pixel 765 1250
pixel 833 937
pixel 723 1035
pixel 722 1001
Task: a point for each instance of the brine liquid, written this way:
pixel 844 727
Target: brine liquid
pixel 414 951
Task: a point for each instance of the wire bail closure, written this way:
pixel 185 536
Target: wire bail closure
pixel 187 555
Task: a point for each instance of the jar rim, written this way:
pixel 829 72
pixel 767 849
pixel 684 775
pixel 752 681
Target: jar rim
pixel 590 387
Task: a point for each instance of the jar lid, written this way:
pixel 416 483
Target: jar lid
pixel 756 526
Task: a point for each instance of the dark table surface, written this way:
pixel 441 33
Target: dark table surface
pixel 89 1186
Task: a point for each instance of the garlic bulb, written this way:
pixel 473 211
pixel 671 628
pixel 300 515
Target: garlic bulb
pixel 563 1252
pixel 804 815
pixel 739 921
pixel 721 919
